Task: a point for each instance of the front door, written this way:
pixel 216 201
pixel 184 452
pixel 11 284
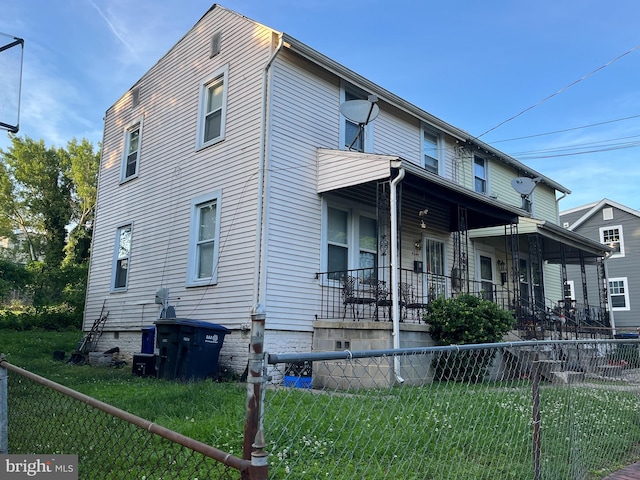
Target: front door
pixel 486 277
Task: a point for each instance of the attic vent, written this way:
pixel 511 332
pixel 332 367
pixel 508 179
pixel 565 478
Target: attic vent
pixel 135 97
pixel 607 213
pixel 565 224
pixel 216 40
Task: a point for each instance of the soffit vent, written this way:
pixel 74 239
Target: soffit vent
pixel 216 41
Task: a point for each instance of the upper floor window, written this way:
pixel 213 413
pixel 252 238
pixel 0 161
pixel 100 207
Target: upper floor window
pixel 212 111
pixel 619 294
pixel 431 151
pixel 527 204
pixel 352 136
pixel 479 174
pixel 612 237
pixel 131 156
pixel 202 267
pixel 121 257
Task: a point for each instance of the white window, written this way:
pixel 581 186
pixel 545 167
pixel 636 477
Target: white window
pixel 131 154
pixel 479 174
pixel 212 111
pixel 351 244
pixel 204 240
pixel 619 293
pixel 353 138
pixel 431 151
pixel 121 259
pixel 569 290
pixel 612 237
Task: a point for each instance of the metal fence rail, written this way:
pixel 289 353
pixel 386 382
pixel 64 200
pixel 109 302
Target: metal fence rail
pixel 562 409
pixel 44 416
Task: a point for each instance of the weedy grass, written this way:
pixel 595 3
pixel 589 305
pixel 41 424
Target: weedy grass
pixel 441 430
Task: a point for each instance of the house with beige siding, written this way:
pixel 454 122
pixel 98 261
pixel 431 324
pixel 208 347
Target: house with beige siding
pixel 231 177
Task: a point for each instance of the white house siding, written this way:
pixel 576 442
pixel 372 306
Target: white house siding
pixel 396 133
pixel 545 206
pixel 172 173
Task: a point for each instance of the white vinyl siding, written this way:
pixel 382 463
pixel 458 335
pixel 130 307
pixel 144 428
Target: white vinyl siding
pixel 131 151
pixel 213 108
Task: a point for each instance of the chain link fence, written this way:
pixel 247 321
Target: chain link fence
pixel 563 409
pixel 43 416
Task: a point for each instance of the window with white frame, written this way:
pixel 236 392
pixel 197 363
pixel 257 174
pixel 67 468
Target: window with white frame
pixel 619 293
pixel 479 174
pixel 569 290
pixel 204 240
pixel 430 150
pixel 613 237
pixel 121 258
pixel 351 244
pixel 212 111
pixel 352 137
pixel 131 154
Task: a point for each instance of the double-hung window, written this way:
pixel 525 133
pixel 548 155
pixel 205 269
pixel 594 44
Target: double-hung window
pixel 131 155
pixel 121 258
pixel 619 293
pixel 212 111
pixel 204 240
pixel 479 174
pixel 613 237
pixel 352 136
pixel 430 151
pixel 351 244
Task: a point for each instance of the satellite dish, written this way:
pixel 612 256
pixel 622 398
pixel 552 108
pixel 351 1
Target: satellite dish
pixel 525 185
pixel 361 111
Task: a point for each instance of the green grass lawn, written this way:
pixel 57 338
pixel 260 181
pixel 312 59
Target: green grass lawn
pixel 444 430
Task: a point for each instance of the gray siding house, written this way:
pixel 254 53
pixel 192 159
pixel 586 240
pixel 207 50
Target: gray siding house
pixel 618 227
pixel 231 176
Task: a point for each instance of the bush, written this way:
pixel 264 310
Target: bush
pixel 465 319
pixel 54 318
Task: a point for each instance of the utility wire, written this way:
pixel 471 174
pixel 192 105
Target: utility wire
pixel 566 129
pixel 560 91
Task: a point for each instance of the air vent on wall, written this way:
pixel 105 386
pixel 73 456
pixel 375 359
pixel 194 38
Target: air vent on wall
pixel 216 41
pixel 135 97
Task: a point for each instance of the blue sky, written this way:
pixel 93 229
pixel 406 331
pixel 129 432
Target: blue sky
pixel 473 64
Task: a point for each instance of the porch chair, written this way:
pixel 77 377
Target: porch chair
pixel 411 301
pixel 383 302
pixel 354 297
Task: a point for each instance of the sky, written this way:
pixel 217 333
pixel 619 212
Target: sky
pixel 555 84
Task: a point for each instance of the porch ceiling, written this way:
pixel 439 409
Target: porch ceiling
pixel 421 189
pixel 554 239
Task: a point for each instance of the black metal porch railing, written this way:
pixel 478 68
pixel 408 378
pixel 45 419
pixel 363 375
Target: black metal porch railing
pixel 365 295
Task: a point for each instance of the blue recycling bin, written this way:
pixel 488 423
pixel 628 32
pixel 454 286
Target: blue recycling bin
pixel 148 339
pixel 189 349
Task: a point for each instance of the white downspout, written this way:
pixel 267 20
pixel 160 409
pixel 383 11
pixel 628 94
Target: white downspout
pixel 395 284
pixel 259 262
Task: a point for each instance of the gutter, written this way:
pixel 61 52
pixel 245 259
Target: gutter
pixel 395 285
pixel 260 272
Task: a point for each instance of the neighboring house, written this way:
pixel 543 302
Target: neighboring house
pixel 618 227
pixel 230 177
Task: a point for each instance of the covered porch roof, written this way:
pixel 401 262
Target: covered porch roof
pixel 339 170
pixel 554 240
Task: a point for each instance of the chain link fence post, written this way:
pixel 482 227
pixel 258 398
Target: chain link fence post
pixel 535 415
pixel 254 443
pixel 4 414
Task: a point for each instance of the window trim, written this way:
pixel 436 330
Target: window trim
pixel 367 144
pixel 138 122
pixel 192 267
pixel 486 174
pixel 114 262
pixel 625 284
pixel 439 148
pixel 220 74
pixel 621 241
pixel 572 289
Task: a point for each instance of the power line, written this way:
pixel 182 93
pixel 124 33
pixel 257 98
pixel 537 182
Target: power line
pixel 566 129
pixel 561 90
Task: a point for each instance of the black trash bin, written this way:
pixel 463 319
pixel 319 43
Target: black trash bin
pixel 189 349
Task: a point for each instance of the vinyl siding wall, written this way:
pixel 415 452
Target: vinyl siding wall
pixel 172 173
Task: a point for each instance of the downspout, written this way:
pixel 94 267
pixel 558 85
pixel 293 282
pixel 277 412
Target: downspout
pixel 564 194
pixel 259 263
pixel 395 284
